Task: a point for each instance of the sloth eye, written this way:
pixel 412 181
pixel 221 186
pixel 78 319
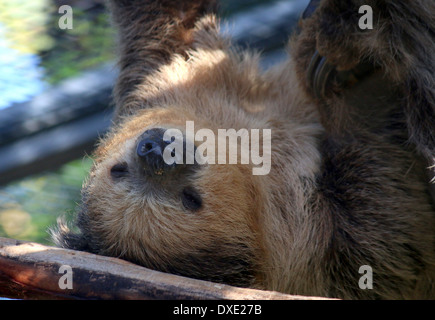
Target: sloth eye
pixel 191 199
pixel 119 170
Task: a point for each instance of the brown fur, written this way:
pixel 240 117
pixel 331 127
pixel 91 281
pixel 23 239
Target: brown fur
pixel 343 191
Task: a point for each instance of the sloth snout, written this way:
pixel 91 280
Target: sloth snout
pixel 150 151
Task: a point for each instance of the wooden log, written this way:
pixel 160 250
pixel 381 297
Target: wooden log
pixel 31 271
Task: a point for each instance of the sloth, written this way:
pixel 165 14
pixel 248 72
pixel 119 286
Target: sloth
pixel 351 120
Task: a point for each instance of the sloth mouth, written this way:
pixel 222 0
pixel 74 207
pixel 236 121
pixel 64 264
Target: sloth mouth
pixel 119 170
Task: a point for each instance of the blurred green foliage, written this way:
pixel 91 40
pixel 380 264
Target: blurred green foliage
pixel 26 24
pixel 88 44
pixel 29 206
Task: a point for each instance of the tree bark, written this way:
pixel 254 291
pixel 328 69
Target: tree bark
pixel 32 271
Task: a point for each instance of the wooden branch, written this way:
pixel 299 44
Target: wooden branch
pixel 31 271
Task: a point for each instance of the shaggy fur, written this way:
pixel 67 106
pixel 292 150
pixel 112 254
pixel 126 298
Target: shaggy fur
pixel 347 186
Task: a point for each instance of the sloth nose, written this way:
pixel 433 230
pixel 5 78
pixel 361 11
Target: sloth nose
pixel 150 151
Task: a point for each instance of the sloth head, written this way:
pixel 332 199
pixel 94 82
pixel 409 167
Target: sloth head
pixel 197 220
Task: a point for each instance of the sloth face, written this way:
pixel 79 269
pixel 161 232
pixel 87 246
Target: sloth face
pixel 197 220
